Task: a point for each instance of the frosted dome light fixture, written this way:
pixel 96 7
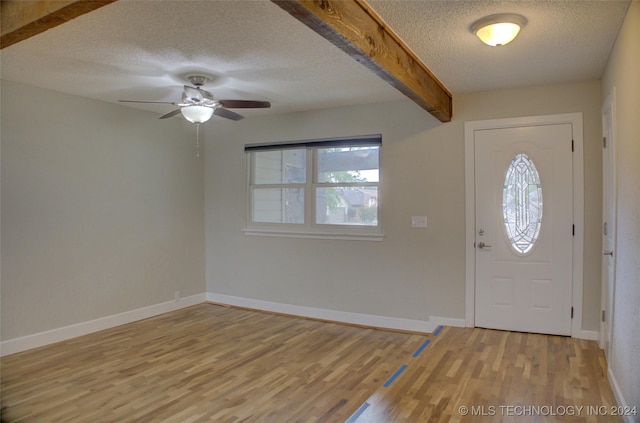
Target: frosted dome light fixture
pixel 197 114
pixel 498 30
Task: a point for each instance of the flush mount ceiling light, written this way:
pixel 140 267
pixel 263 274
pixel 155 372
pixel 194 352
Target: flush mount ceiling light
pixel 498 30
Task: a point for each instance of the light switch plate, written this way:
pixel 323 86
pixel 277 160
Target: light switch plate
pixel 418 221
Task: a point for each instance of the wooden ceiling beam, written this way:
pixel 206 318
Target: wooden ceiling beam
pixel 22 19
pixel 355 28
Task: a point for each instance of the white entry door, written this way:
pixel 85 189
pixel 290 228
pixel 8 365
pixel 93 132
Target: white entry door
pixel 524 228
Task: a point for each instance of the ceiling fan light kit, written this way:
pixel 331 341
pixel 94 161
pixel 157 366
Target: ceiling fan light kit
pixel 197 114
pixel 498 30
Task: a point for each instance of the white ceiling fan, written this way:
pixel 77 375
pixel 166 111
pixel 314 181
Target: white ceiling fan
pixel 198 105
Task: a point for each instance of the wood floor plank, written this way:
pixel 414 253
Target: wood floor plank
pixel 499 377
pixel 221 364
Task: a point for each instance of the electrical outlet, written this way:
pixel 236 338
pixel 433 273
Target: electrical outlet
pixel 177 296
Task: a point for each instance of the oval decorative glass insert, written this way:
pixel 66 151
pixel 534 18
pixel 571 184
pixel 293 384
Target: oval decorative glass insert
pixel 522 203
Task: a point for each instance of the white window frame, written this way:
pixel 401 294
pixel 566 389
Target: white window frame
pixel 311 229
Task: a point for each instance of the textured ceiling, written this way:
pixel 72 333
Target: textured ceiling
pixel 142 50
pixel 563 41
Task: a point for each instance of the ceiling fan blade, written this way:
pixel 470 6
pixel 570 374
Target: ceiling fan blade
pixel 245 104
pixel 170 114
pixel 228 114
pixel 144 101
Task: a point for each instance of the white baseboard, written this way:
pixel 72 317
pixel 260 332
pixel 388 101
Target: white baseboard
pixel 370 320
pixel 617 392
pixel 12 346
pixel 447 321
pixel 590 335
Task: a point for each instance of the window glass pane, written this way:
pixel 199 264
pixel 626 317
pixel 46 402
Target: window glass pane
pixel 279 167
pixel 522 203
pixel 347 205
pixel 348 164
pixel 277 205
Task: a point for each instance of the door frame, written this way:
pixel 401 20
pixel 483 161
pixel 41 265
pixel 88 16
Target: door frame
pixel 575 119
pixel 608 288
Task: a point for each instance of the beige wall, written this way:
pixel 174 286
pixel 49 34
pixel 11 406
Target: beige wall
pixel 622 73
pixel 102 210
pixel 413 273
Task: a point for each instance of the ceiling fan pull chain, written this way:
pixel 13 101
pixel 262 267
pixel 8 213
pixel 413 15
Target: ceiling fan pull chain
pixel 197 140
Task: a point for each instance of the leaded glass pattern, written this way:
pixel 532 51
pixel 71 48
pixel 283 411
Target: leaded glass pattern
pixel 522 203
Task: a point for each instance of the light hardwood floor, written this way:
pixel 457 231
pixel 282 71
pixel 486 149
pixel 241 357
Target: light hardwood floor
pixel 214 363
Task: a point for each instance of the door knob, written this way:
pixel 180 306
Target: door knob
pixel 483 245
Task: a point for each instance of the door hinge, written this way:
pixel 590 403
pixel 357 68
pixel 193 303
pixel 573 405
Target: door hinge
pixel 573 230
pixel 604 228
pixel 572 312
pixel 604 142
pixel 603 315
pixel 572 146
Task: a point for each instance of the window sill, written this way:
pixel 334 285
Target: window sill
pixel 315 235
